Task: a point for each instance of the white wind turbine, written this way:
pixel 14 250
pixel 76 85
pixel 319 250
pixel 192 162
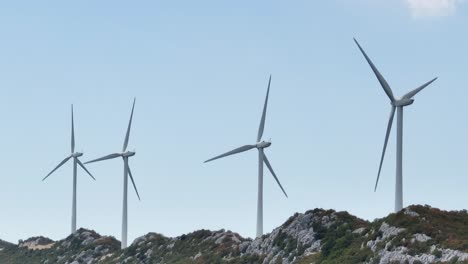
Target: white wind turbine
pixel 76 161
pixel 260 145
pixel 397 104
pixel 125 154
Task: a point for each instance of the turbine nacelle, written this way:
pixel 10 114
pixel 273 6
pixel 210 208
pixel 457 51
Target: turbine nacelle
pixel 76 154
pixel 403 102
pixel 128 154
pixel 263 144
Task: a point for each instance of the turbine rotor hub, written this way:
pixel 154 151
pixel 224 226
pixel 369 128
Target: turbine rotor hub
pixel 403 102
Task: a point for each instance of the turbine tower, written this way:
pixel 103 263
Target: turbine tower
pixel 76 161
pixel 397 104
pixel 125 154
pixel 262 158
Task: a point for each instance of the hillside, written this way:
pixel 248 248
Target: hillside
pixel 418 234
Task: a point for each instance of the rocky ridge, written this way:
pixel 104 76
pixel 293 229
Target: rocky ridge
pixel 38 243
pixel 418 234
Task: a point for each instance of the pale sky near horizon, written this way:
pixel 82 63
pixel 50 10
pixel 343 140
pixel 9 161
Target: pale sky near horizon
pixel 199 71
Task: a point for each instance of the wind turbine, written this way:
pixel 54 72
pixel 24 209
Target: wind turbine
pixel 262 158
pixel 125 154
pixel 397 104
pixel 76 161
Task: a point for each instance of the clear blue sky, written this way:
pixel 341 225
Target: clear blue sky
pixel 199 71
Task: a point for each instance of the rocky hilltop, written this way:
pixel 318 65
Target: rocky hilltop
pixel 417 234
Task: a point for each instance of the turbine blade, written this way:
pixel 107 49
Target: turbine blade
pixel 265 159
pixel 58 166
pixel 133 182
pixel 232 152
pixel 262 121
pixel 110 156
pixel 389 128
pixel 417 90
pixel 84 168
pixel 128 128
pixel 72 132
pixel 379 76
